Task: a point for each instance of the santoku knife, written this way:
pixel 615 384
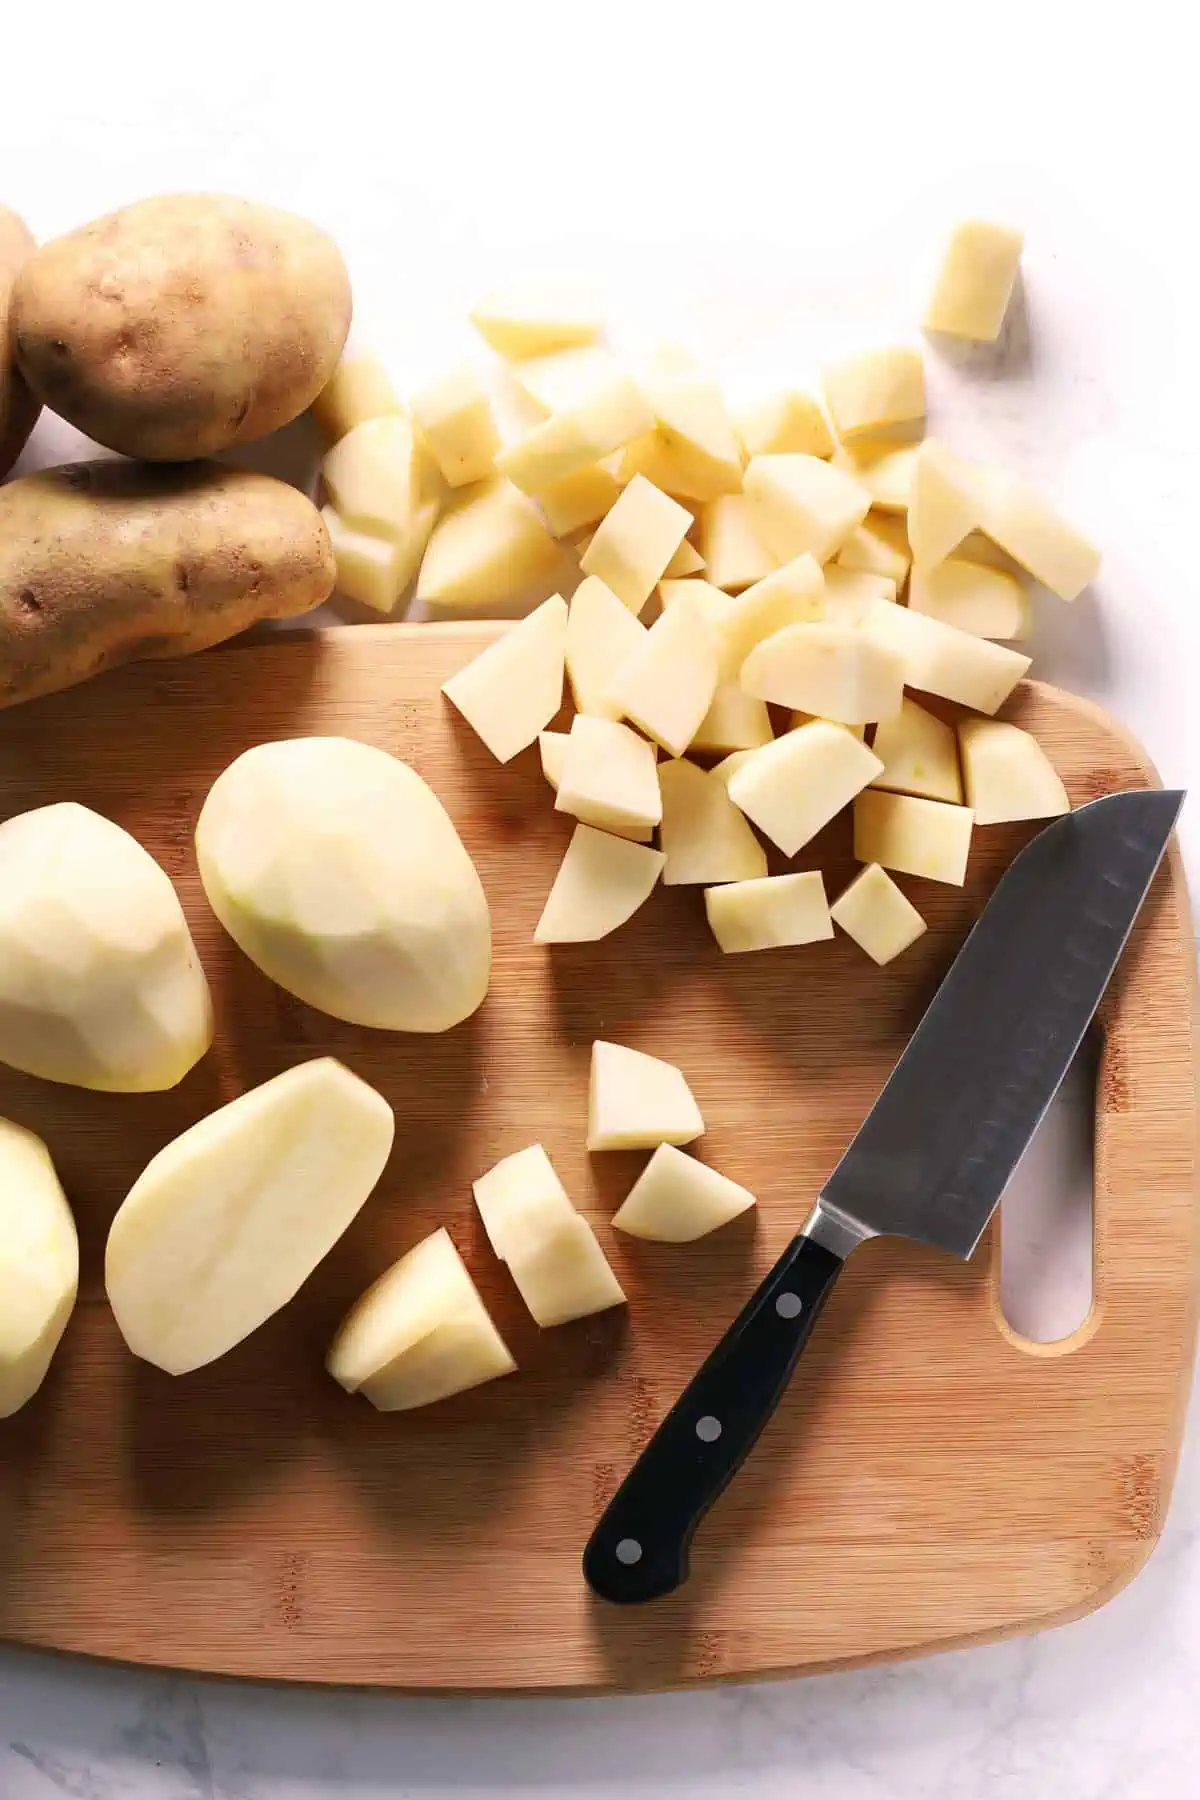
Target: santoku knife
pixel 930 1163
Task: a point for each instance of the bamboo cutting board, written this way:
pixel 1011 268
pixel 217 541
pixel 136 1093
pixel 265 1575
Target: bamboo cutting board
pixel 929 1479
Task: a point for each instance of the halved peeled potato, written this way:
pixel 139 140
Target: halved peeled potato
pixel 636 1102
pixel 550 1250
pixel 676 1200
pixel 793 787
pixel 832 671
pixel 601 883
pixel 1007 774
pixel 419 1334
pixel 39 1265
pixel 704 836
pixel 769 913
pixel 511 691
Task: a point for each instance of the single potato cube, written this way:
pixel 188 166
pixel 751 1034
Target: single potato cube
pixel 636 541
pixel 598 421
pixel 537 318
pixel 880 919
pixel 878 547
pixel 713 602
pixel 801 503
pixel 704 836
pixel 522 1202
pixel 609 777
pixel 487 549
pixel 359 389
pixel 552 746
pixel 667 683
pixel 792 595
pixel 694 427
pixel 567 1277
pixel 377 477
pixel 676 1200
pixel 946 504
pixel 554 383
pixel 579 499
pixel 832 671
pixel 511 691
pixel 727 767
pixel 769 913
pixel 917 837
pixel 885 473
pixel 976 281
pixel 601 634
pixel 941 660
pixel 991 603
pixel 792 788
pixel 375 571
pixel 851 593
pixel 736 720
pixel 875 391
pixel 1036 535
pixel 419 1334
pixel 1007 774
pixel 734 554
pixel 786 424
pixel 919 754
pixel 455 418
pixel 636 1102
pixel 39 1265
pixel 687 560
pixel 601 882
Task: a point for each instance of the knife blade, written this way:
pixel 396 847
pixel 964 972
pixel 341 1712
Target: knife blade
pixel 930 1162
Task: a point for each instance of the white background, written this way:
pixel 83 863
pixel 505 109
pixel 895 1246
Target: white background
pixel 766 183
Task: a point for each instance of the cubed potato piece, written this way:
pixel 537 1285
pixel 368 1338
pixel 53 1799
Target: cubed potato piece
pixel 792 788
pixel 511 691
pixel 946 504
pixel 881 920
pixel 919 754
pixel 455 418
pixel 792 595
pixel 694 428
pixel 552 746
pixel 375 571
pixel 601 634
pixel 917 837
pixel 521 1202
pixel 535 318
pixel 667 683
pixel 1007 774
pixel 676 1200
pixel 728 766
pixel 360 388
pixel 601 882
pixel 704 836
pixel 636 1102
pixel 736 720
pixel 785 424
pixel 687 560
pixel 800 717
pixel 39 1265
pixel 976 280
pixel 636 541
pixel 713 602
pixel 941 660
pixel 579 499
pixel 650 456
pixel 769 913
pixel 377 477
pixel 568 1277
pixel 801 503
pixel 875 391
pixel 734 553
pixel 419 1334
pixel 598 421
pixel 832 671
pixel 1035 534
pixel 486 550
pixel 885 473
pixel 990 603
pixel 554 383
pixel 851 593
pixel 609 777
pixel 879 546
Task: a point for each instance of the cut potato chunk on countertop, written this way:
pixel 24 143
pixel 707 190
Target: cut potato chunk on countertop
pixel 568 1277
pixel 419 1334
pixel 875 391
pixel 1035 534
pixel 769 913
pixel 705 838
pixel 879 546
pixel 601 634
pixel 734 554
pixel 793 787
pixel 609 777
pixel 713 602
pixel 791 595
pixel 976 280
pixel 552 747
pixel 915 837
pixel 667 682
pixel 676 1200
pixel 535 318
pixel 39 1265
pixel 885 472
pixel 1007 774
pixel 601 882
pixel 360 388
pixel 375 571
pixel 695 431
pixel 945 505
pixel 511 691
pixel 226 1223
pixel 827 669
pixel 455 419
pixel 595 423
pixel 485 549
pixel 919 753
pixel 635 542
pixel 941 660
pixel 731 763
pixel 522 1202
pixel 783 424
pixel 556 380
pixel 802 503
pixel 636 1102
pixel 736 720
pixel 881 920
pixel 579 499
pixel 851 593
pixel 991 603
pixel 377 477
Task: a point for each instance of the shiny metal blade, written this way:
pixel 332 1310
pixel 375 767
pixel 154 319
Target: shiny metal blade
pixel 935 1153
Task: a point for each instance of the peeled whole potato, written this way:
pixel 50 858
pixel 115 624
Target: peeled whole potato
pixel 182 324
pixel 39 1265
pixel 100 985
pixel 339 873
pixel 106 563
pixel 18 408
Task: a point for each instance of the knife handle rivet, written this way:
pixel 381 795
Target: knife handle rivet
pixel 708 1429
pixel 789 1306
pixel 629 1551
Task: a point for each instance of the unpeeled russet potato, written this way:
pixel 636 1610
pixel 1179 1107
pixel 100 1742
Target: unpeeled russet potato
pixel 226 1223
pixel 339 873
pixel 183 324
pixel 39 1265
pixel 108 562
pixel 100 985
pixel 18 408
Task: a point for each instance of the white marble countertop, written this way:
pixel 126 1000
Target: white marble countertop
pixel 765 184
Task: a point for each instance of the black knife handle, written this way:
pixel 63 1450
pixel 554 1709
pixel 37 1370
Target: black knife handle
pixel 639 1549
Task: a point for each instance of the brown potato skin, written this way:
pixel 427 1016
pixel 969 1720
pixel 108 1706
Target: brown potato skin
pixel 182 325
pixel 110 562
pixel 18 408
